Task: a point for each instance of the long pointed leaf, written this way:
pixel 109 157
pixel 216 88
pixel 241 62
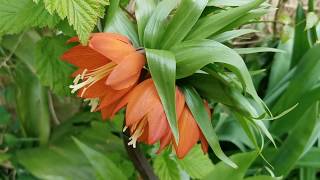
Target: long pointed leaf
pixel 162 67
pixel 197 108
pixel 184 19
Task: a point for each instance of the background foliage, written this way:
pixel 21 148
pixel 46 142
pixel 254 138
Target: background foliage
pixel 47 133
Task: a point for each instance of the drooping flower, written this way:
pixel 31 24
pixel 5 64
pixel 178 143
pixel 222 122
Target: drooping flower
pixel 108 67
pixel 147 122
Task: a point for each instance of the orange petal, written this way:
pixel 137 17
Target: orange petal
pixel 96 90
pixel 111 96
pixel 165 141
pixel 140 101
pixel 122 75
pixel 158 124
pixel 106 112
pixel 204 143
pixel 123 102
pixel 84 57
pixel 188 132
pixel 180 102
pixel 113 49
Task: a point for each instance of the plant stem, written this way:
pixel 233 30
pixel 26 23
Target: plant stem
pixel 139 160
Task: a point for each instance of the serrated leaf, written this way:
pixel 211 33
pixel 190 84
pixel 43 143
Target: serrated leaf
pixel 166 168
pixel 19 15
pixel 118 22
pixel 162 66
pixel 53 72
pixel 200 114
pixel 196 163
pixel 82 15
pixel 103 166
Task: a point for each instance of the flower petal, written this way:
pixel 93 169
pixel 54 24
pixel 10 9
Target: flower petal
pixel 188 132
pixel 158 123
pixel 165 141
pixel 111 48
pixel 111 96
pixel 84 57
pixel 96 90
pixel 140 101
pixel 127 72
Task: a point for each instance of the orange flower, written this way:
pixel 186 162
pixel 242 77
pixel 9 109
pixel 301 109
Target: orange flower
pixel 107 69
pixel 147 120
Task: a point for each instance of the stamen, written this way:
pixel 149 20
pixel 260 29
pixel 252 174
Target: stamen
pixel 124 129
pixel 94 103
pixel 137 132
pixel 90 77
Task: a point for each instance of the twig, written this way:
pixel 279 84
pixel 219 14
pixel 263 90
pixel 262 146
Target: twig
pixel 4 62
pixel 52 111
pixel 139 160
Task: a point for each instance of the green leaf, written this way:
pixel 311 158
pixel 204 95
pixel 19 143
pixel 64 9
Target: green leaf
pixel 62 158
pixel 293 147
pixel 184 19
pixel 104 167
pixel 4 116
pixel 310 159
pixel 229 35
pixel 209 51
pixel 166 168
pixel 157 23
pixel 19 15
pixel 300 44
pixel 228 2
pixel 143 11
pixel 223 172
pixel 256 50
pixel 118 22
pixel 263 178
pixel 209 25
pixel 196 164
pixel 197 108
pixel 52 71
pixel 162 67
pixel 82 15
pixel 305 78
pixel 281 63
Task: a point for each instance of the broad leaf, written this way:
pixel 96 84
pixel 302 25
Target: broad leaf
pixel 52 71
pixel 162 67
pixel 82 15
pixel 103 166
pixel 19 15
pixel 166 168
pixel 223 172
pixel 199 112
pixel 196 164
pixel 117 21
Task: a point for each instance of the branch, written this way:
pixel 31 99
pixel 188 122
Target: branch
pixel 139 160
